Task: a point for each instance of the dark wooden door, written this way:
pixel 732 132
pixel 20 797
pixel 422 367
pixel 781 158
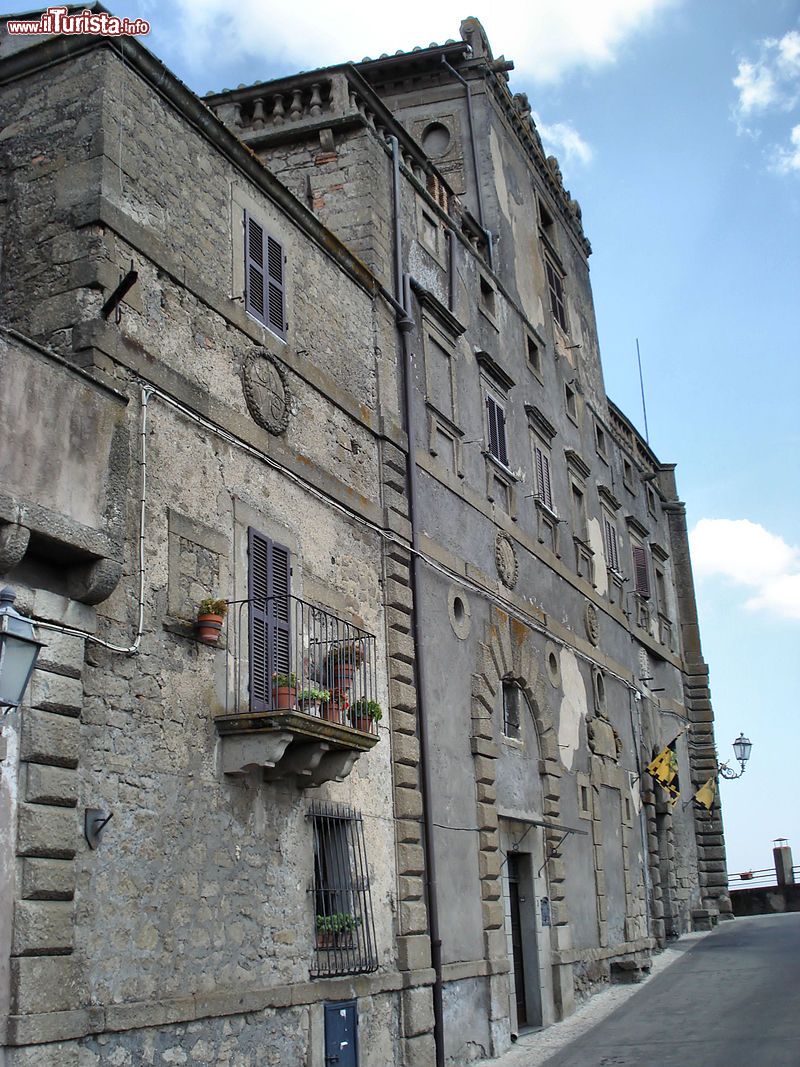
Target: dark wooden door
pixel 516 940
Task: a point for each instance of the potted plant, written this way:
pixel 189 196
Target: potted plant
pixel 336 929
pixel 310 699
pixel 363 713
pixel 284 692
pixel 334 707
pixel 210 615
pixel 342 661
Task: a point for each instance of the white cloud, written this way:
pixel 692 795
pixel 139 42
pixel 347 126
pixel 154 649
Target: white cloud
pixel 546 39
pixel 770 84
pixel 787 159
pixel 563 140
pixel 747 554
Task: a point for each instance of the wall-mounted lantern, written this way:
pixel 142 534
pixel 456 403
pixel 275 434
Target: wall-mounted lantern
pixel 19 650
pixel 741 749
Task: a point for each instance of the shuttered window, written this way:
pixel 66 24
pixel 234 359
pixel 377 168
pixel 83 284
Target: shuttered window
pixel 496 424
pixel 544 490
pixel 641 572
pixel 556 287
pixel 612 544
pixel 268 590
pixel 264 265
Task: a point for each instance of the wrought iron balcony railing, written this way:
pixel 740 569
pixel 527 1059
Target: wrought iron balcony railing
pixel 286 655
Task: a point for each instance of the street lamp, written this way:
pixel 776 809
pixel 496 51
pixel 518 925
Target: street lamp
pixel 741 749
pixel 19 649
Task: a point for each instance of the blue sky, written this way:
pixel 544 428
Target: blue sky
pixel 673 122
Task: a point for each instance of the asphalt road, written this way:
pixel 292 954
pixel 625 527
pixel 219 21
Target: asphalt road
pixel 733 1000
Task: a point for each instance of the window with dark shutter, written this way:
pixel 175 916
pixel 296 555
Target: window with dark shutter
pixel 641 573
pixel 264 277
pixel 556 287
pixel 496 418
pixel 612 544
pixel 545 492
pixel 268 590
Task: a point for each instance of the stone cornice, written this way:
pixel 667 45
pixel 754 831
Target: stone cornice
pixel 538 421
pixel 492 368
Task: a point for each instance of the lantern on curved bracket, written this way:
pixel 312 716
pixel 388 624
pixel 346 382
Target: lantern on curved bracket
pixel 741 749
pixel 19 650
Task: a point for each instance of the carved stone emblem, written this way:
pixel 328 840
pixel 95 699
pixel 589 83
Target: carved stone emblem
pixel 591 622
pixel 264 384
pixel 506 559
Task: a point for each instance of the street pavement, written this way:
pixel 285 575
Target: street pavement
pixel 731 1000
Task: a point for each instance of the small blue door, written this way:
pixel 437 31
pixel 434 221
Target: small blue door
pixel 341 1029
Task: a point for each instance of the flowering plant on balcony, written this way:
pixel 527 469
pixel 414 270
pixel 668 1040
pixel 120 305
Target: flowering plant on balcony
pixel 210 613
pixel 365 712
pixel 284 691
pixel 336 929
pixel 345 653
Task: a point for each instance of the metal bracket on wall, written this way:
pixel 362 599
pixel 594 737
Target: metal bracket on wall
pixel 94 822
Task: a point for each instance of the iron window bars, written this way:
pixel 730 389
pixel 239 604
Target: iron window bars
pixel 343 918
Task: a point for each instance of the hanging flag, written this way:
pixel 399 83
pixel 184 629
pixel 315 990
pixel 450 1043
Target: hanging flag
pixel 707 793
pixel 664 768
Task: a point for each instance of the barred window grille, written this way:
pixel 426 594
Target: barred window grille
pixel 344 923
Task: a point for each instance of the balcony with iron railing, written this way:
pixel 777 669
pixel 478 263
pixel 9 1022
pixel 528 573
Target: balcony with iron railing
pixel 301 694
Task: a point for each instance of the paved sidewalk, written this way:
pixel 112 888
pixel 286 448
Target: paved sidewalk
pixel 536 1048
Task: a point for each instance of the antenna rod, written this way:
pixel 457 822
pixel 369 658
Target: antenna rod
pixel 641 384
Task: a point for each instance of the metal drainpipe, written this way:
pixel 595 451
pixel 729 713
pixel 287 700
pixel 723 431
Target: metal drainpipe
pixel 405 324
pixel 476 168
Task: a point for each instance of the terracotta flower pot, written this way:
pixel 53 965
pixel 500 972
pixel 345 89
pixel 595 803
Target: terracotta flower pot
pixel 208 628
pixel 362 723
pixel 332 710
pixel 285 697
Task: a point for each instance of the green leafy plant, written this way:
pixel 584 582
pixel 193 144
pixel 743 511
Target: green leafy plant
pixel 340 922
pixel 366 709
pixel 284 681
pixel 212 606
pixel 346 654
pixel 314 696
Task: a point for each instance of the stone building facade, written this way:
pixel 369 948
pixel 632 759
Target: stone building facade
pixel 324 348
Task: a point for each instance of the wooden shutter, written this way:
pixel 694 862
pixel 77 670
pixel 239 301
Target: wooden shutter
pixel 264 276
pixel 255 283
pixel 612 547
pixel 497 430
pixel 641 574
pixel 268 590
pixel 276 316
pixel 543 477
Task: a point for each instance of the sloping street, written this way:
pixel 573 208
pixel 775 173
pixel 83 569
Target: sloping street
pixel 731 1001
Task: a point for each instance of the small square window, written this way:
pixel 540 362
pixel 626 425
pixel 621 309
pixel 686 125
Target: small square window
pixel 651 502
pixel 627 474
pixel 571 402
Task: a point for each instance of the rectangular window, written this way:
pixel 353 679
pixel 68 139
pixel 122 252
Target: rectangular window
pixel 556 286
pixel 496 429
pixel 661 591
pixel 264 264
pixel 343 918
pixel 600 441
pixel 578 513
pixel 268 591
pixel 512 703
pixel 544 489
pixel 487 297
pixel 641 572
pixel 627 474
pixel 571 403
pixel 611 543
pixel 534 357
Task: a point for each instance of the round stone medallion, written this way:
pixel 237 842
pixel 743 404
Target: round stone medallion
pixel 592 622
pixel 506 559
pixel 264 384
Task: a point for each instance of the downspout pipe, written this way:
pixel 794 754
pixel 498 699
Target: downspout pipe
pixel 475 165
pixel 405 325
